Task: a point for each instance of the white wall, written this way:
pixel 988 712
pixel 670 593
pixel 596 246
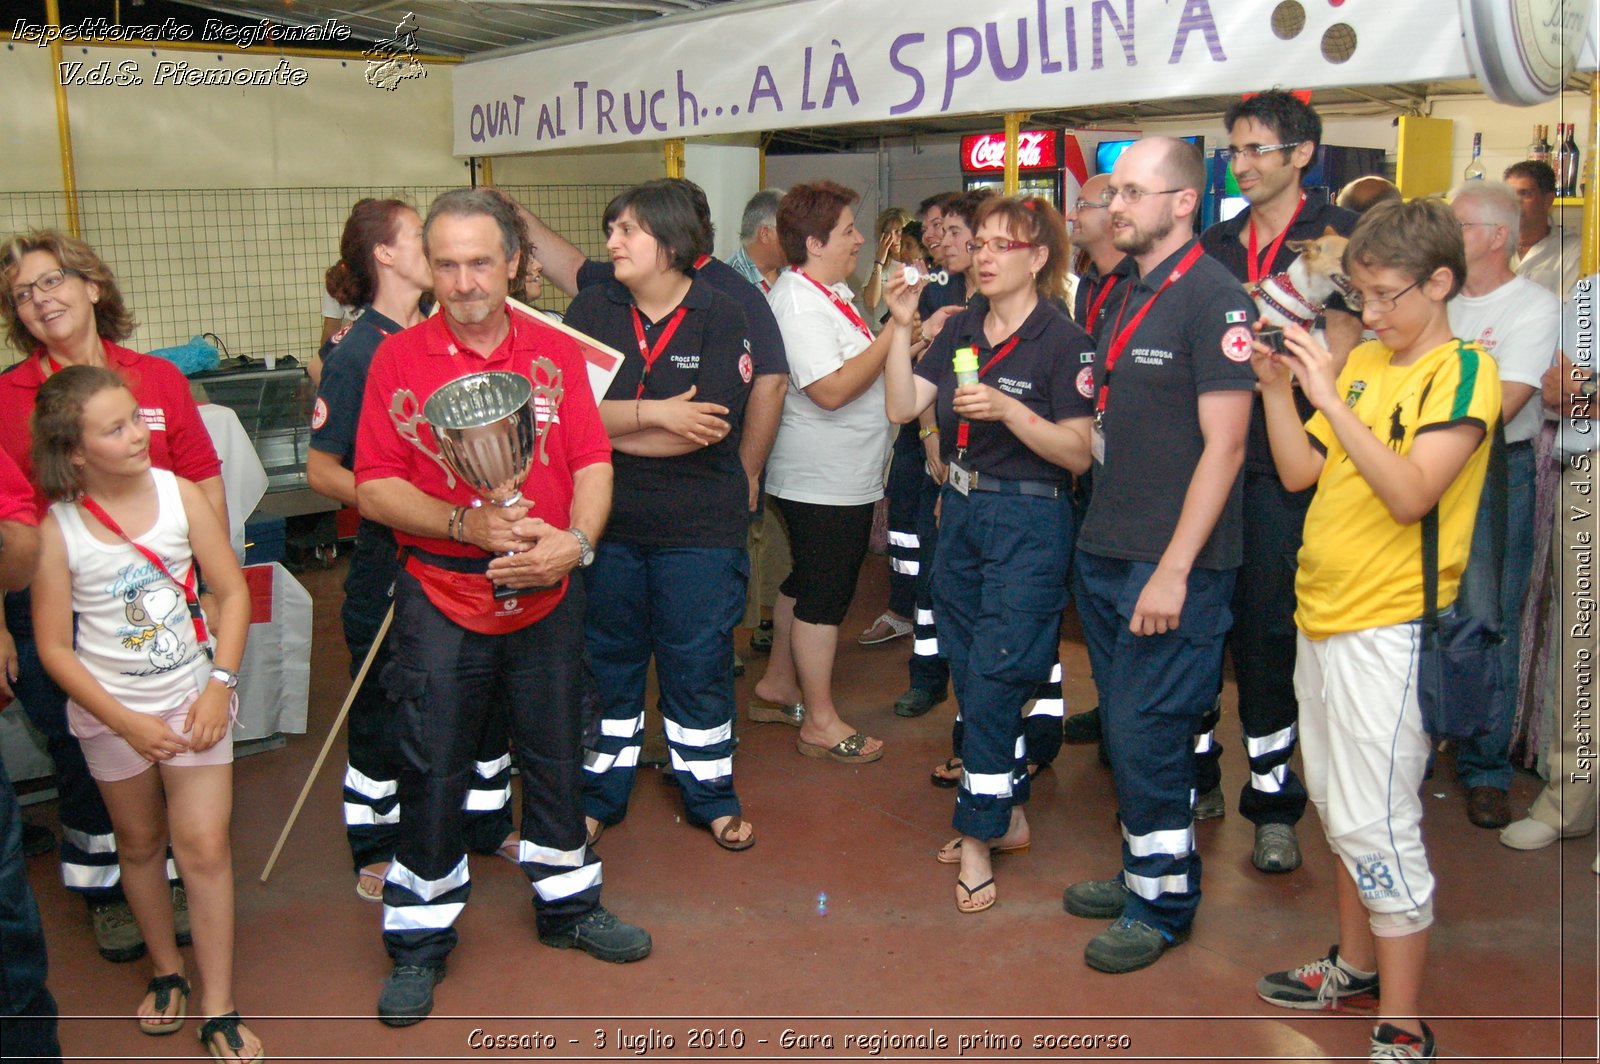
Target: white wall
pixel 729 174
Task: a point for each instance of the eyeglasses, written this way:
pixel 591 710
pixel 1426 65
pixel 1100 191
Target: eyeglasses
pixel 1380 304
pixel 23 293
pixel 1090 205
pixel 1132 194
pixel 997 244
pixel 1469 225
pixel 1256 151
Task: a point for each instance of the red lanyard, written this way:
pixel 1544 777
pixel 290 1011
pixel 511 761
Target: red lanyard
pixel 1258 267
pixel 844 308
pixel 651 354
pixel 187 586
pixel 765 287
pixel 1125 333
pixel 701 261
pixel 1093 317
pixel 1004 350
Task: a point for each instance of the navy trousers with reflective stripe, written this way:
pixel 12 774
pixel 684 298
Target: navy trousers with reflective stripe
pixel 1262 645
pixel 929 668
pixel 679 604
pixel 903 492
pixel 371 787
pixel 999 587
pixel 1154 691
pixel 444 678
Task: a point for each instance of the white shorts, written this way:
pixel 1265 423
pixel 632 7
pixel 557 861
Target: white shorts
pixel 1365 753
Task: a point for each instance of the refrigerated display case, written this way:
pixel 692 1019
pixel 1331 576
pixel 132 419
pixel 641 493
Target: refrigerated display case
pixel 1049 164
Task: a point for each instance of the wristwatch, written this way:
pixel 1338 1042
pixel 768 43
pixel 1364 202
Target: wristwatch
pixel 226 677
pixel 585 548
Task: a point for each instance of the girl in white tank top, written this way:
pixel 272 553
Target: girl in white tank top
pixel 119 549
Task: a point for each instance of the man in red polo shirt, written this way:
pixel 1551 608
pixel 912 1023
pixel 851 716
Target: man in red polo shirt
pixel 456 647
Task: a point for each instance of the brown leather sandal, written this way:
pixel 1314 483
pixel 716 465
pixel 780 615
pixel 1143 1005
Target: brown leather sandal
pixel 728 838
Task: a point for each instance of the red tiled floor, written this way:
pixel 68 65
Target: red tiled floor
pixel 840 923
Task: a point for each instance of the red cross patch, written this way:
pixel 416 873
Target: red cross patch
pixel 319 414
pixel 1236 343
pixel 1086 381
pixel 747 368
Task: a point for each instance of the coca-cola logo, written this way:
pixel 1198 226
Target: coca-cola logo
pixel 1036 150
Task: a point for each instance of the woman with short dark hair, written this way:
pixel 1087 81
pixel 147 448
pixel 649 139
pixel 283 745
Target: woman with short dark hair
pixel 669 579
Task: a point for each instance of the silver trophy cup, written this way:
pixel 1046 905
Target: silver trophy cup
pixel 488 434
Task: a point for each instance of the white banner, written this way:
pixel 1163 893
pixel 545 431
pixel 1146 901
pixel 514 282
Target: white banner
pixel 832 62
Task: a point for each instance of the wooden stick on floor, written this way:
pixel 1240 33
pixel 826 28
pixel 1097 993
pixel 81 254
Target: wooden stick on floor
pixel 333 733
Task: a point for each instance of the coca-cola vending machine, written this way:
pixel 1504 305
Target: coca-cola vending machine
pixel 1049 164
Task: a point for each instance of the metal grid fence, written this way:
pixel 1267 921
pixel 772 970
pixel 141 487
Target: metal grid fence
pixel 247 264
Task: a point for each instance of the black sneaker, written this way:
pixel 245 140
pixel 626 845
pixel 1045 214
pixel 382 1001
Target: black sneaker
pixel 1322 984
pixel 116 933
pixel 1096 899
pixel 604 937
pixel 1127 946
pixel 1082 727
pixel 761 638
pixel 36 839
pixel 1391 1043
pixel 180 915
pixel 916 701
pixel 407 995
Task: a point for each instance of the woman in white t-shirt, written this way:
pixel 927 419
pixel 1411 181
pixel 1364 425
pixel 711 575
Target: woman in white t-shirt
pixel 826 468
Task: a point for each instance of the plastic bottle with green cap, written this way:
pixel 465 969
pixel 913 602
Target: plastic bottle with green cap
pixel 966 366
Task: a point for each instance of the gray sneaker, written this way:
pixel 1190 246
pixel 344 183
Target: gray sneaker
pixel 116 933
pixel 1096 899
pixel 1211 805
pixel 1277 848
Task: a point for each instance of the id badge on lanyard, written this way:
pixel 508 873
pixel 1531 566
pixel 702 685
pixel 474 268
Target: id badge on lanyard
pixel 1097 443
pixel 959 478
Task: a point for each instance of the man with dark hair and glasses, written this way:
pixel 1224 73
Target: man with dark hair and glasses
pixel 1272 138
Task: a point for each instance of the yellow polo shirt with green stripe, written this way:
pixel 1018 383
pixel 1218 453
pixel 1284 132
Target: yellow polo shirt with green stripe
pixel 1359 567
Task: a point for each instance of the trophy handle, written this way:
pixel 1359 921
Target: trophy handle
pixel 548 391
pixel 406 413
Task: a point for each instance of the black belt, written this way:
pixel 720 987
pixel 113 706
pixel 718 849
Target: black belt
pixel 1043 489
pixel 453 562
pixel 1520 445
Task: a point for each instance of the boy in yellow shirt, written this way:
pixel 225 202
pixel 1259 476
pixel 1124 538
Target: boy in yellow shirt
pixel 1402 428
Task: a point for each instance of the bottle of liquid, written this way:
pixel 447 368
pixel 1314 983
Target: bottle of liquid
pixel 1533 145
pixel 1474 170
pixel 1571 168
pixel 1558 158
pixel 965 364
pixel 1544 144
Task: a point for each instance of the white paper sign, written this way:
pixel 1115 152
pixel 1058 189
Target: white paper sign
pixel 830 62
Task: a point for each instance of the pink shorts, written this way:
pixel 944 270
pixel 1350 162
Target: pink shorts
pixel 111 759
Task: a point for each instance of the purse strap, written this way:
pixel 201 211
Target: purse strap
pixel 189 587
pixel 1498 484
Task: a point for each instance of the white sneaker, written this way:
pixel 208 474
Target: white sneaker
pixel 1528 834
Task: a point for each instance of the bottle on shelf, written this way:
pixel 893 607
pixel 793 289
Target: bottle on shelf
pixel 1571 169
pixel 1474 170
pixel 1536 145
pixel 1558 158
